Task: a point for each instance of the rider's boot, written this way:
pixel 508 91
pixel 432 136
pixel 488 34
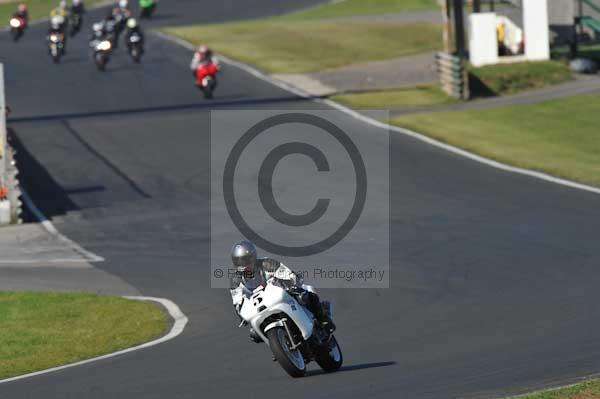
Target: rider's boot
pixel 321 310
pixel 324 317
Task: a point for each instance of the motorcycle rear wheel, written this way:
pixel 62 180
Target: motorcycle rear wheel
pixel 330 357
pixel 100 60
pixel 291 361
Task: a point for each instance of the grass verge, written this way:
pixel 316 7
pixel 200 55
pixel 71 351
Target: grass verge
pixel 334 9
pixel 505 79
pixel 409 97
pixel 585 390
pixel 536 136
pixel 44 330
pixel 306 46
pixel 37 8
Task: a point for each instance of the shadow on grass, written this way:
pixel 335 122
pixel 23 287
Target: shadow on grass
pixel 479 89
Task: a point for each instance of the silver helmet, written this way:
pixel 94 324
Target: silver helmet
pixel 243 254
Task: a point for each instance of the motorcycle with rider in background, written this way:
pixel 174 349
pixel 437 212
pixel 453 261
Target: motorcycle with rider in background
pixel 76 12
pixel 205 68
pixel 101 43
pixel 19 21
pixel 134 40
pixel 147 8
pixel 56 38
pixel 120 14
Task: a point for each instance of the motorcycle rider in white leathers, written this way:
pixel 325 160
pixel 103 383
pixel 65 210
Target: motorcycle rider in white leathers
pixel 252 273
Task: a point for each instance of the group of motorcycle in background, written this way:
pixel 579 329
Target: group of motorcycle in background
pixel 66 22
pixel 106 33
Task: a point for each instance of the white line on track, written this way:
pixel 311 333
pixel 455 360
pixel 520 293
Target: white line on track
pixel 180 321
pixel 373 122
pixel 52 261
pixel 49 227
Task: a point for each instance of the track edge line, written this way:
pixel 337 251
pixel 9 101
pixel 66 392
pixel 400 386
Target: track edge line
pixel 180 320
pixel 373 122
pixel 49 227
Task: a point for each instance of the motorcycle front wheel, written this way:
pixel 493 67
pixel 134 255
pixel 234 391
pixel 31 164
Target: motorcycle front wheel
pixel 16 35
pixel 55 54
pixel 136 55
pixel 292 361
pixel 208 94
pixel 329 357
pixel 100 62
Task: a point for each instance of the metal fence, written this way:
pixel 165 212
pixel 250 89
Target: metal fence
pixel 3 141
pixel 10 193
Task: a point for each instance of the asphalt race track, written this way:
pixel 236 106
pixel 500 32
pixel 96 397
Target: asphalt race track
pixel 494 286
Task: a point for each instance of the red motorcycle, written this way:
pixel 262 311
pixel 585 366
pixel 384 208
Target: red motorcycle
pixel 206 78
pixel 17 27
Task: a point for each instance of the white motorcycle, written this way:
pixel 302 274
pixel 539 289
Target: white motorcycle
pixel 102 50
pixel 291 331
